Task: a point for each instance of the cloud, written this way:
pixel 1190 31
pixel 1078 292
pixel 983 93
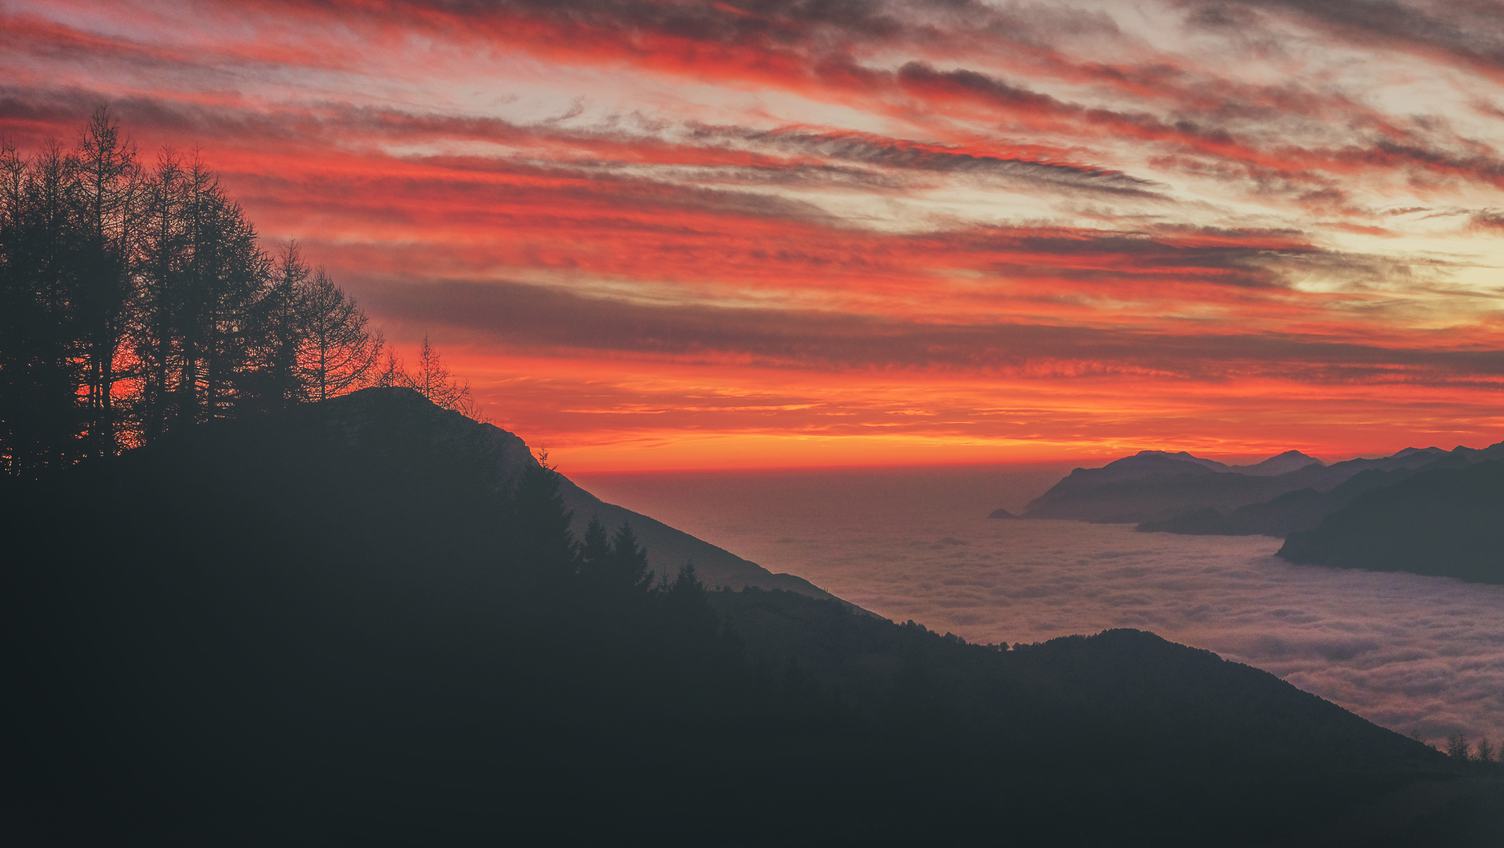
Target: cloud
pixel 1416 654
pixel 906 154
pixel 534 317
pixel 1488 220
pixel 1467 32
pixel 1022 195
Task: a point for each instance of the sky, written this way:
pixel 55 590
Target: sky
pixel 665 235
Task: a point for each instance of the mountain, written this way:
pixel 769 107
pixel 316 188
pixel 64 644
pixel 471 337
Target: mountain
pixel 1152 485
pixel 1445 521
pixel 1284 463
pixel 364 622
pixel 1177 493
pixel 1288 513
pixel 501 456
pixel 1423 510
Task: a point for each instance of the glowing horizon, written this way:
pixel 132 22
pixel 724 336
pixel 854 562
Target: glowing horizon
pixel 663 236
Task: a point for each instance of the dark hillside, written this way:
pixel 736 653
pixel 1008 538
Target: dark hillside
pixel 340 626
pixel 1446 521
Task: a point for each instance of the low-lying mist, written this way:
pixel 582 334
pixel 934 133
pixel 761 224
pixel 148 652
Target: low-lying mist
pixel 1420 655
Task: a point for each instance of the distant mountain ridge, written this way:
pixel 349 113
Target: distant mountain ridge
pixel 1292 495
pixel 1157 485
pixel 1164 488
pixel 1284 463
pixel 1447 520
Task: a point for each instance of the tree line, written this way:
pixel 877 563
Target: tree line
pixel 136 300
pixel 1459 748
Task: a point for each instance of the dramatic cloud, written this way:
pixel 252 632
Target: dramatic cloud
pixel 985 229
pixel 1468 32
pixel 523 317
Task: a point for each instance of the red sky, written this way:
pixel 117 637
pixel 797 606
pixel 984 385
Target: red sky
pixel 820 232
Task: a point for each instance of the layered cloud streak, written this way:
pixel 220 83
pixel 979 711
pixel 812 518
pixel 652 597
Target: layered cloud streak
pixel 1272 218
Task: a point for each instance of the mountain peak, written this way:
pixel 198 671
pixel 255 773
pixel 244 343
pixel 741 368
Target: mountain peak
pixel 392 423
pixel 1281 463
pixel 1410 451
pixel 1145 456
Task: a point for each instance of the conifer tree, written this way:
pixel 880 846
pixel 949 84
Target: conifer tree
pixel 541 521
pixel 595 550
pixel 627 567
pixel 1457 747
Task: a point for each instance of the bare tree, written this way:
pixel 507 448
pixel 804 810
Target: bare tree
pixel 340 352
pixel 433 380
pixel 39 290
pixel 203 275
pixel 392 373
pixel 152 289
pixel 109 198
pixel 162 261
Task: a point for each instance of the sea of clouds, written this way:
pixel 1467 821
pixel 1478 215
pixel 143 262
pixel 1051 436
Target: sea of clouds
pixel 1420 655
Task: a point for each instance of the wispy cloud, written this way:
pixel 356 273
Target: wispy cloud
pixel 1137 215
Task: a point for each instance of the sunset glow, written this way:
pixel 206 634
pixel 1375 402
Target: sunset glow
pixel 685 235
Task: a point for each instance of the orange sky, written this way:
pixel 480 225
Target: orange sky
pixel 821 232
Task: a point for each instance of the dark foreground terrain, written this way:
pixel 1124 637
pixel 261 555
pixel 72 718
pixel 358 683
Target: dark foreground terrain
pixel 348 625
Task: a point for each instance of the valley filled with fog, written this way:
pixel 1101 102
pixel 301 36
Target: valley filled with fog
pixel 1420 655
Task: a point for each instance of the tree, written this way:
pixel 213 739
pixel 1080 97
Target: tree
pixel 229 276
pixel 433 380
pixel 595 550
pixel 39 285
pixel 162 264
pixel 1484 751
pixel 686 602
pixel 109 197
pixel 1457 747
pixel 282 332
pixel 150 295
pixel 687 591
pixel 341 352
pixel 203 277
pixel 392 373
pixel 540 520
pixel 627 566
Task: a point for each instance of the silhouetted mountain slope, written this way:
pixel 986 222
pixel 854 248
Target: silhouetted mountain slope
pixel 1128 689
pixel 1445 521
pixel 343 627
pixel 1150 487
pixel 1284 463
pixel 1178 493
pixel 1288 513
pixel 501 455
pixel 1118 723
